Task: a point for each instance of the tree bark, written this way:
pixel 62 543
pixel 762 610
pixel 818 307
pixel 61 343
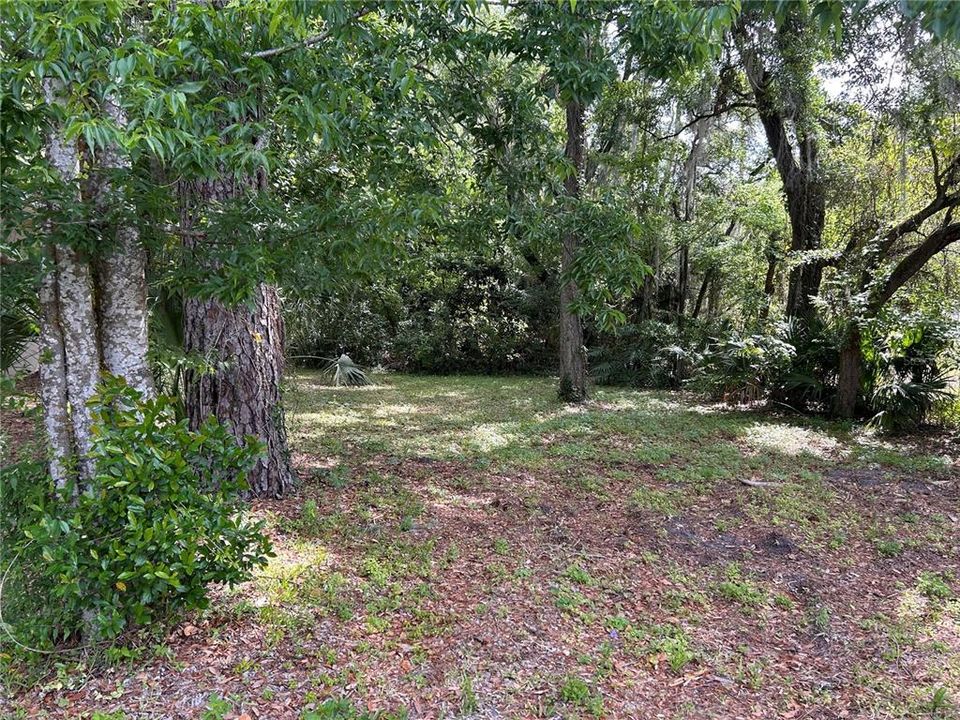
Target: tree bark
pixel 246 344
pixel 701 135
pixel 934 243
pixel 707 277
pixel 53 374
pixel 122 283
pixel 802 184
pixel 573 360
pixel 848 377
pixel 79 328
pixel 75 331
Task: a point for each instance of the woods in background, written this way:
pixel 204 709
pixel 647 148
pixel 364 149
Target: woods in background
pixel 752 199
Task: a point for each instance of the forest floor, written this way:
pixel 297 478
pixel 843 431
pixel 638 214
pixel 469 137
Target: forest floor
pixel 467 547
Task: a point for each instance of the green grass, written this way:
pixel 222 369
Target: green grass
pixel 459 510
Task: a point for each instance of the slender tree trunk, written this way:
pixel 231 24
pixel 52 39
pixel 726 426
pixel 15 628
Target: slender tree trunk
pixel 122 284
pixel 651 285
pixel 707 277
pixel 573 360
pixel 769 286
pixel 69 325
pixel 713 298
pixel 53 375
pixel 697 148
pixel 79 328
pixel 247 342
pixel 683 281
pixel 848 379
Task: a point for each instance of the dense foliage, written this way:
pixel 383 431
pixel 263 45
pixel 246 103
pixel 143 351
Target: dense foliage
pixel 160 522
pixel 754 200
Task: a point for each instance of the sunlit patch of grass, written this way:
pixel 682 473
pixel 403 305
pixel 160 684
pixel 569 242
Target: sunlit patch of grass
pixel 490 436
pixel 791 440
pixel 869 449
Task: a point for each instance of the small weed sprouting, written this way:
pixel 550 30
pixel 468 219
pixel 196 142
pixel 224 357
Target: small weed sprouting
pixel 889 548
pixel 934 585
pixel 784 602
pixel 577 692
pixel 578 575
pixel 468 697
pixel 739 589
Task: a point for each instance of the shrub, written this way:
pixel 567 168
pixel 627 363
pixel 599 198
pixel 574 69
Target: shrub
pixel 649 353
pixel 907 360
pixel 744 368
pixel 160 521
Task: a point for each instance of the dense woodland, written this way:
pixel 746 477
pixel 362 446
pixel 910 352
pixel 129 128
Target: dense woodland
pixel 753 203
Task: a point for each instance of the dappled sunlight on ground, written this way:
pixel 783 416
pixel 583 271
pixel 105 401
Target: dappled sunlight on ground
pixel 791 440
pixel 469 547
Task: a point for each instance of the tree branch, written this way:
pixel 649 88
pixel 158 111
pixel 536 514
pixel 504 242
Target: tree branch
pixel 306 42
pixel 714 113
pixel 912 263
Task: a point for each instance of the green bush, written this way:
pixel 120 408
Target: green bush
pixel 648 353
pixel 908 359
pixel 160 521
pixel 744 368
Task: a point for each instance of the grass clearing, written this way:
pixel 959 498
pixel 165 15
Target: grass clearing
pixel 467 546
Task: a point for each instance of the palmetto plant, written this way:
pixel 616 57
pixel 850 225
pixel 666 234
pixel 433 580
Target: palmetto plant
pixel 345 371
pixel 902 403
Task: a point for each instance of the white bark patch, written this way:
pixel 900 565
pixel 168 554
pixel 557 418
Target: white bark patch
pixel 53 375
pixel 122 284
pixel 73 321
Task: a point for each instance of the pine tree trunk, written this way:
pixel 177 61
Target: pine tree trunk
pixel 573 360
pixel 244 393
pixel 122 285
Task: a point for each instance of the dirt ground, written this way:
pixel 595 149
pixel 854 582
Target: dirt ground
pixel 467 547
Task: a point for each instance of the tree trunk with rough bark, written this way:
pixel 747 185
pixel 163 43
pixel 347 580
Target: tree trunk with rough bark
pixel 848 377
pixel 573 359
pixel 246 342
pixel 800 173
pixel 79 328
pixel 707 277
pixel 68 332
pixel 53 374
pixel 122 284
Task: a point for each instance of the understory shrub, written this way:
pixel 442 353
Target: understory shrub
pixel 647 353
pixel 743 368
pixel 908 361
pixel 158 523
pixel 466 316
